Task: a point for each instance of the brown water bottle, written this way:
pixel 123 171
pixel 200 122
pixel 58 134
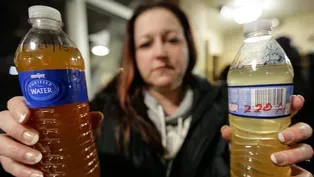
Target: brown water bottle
pixel 52 79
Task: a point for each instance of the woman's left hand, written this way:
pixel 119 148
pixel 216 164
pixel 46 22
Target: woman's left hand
pixel 290 136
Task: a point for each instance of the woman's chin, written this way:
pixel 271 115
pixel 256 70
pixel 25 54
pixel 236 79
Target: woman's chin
pixel 164 83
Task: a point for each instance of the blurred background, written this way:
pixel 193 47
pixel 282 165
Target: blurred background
pixel 98 29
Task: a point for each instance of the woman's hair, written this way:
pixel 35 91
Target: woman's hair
pixel 130 83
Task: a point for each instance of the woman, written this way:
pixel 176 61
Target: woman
pixel 160 119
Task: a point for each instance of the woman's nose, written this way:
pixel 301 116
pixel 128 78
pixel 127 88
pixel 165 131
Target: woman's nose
pixel 160 50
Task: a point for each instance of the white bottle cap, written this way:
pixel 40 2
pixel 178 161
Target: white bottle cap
pixel 39 11
pixel 262 24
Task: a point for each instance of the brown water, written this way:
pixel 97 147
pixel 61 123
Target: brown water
pixel 66 137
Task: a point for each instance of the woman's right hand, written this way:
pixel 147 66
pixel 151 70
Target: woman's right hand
pixel 15 153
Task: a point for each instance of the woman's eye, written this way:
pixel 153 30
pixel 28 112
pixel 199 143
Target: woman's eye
pixel 145 45
pixel 173 40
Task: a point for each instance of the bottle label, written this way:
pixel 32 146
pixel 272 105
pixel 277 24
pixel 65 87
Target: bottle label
pixel 45 88
pixel 260 101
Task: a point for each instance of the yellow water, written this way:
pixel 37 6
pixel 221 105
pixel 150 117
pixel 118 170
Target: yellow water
pixel 254 140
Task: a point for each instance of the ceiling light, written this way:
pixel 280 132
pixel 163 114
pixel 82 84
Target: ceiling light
pixel 267 4
pixel 100 50
pixel 13 71
pixel 244 11
pixel 240 3
pixel 246 14
pixel 226 12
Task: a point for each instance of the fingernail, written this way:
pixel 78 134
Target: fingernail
pixel 22 117
pixel 284 137
pixel 306 130
pixel 32 157
pixel 301 97
pixel 30 137
pixel 101 115
pixel 278 158
pixel 37 175
pixel 281 138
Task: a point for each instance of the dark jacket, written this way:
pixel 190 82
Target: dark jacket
pixel 203 153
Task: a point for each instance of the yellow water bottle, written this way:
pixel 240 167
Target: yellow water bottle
pixel 260 87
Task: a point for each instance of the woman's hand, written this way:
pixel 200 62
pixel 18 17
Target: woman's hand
pixel 289 136
pixel 15 153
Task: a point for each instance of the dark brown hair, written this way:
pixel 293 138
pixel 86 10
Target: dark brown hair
pixel 130 82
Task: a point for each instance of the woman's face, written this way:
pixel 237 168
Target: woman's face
pixel 161 49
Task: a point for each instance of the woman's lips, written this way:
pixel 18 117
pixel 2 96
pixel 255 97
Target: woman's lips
pixel 162 67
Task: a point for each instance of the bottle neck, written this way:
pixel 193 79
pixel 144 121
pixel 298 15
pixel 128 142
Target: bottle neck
pixel 42 23
pixel 257 36
pixel 258 33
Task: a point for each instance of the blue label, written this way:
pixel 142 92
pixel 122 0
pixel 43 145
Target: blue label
pixel 45 88
pixel 261 101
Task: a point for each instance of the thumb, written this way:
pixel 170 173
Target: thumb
pixel 226 132
pixel 95 119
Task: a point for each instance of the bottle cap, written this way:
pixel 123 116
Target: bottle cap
pixel 262 24
pixel 39 11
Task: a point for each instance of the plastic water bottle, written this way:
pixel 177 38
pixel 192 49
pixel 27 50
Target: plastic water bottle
pixel 260 86
pixel 51 74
